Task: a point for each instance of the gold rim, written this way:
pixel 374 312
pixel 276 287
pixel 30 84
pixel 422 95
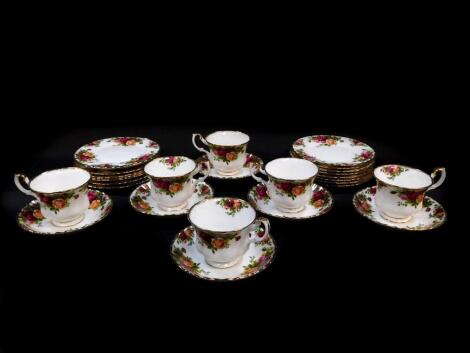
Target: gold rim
pixel 227 146
pixel 174 176
pixel 360 165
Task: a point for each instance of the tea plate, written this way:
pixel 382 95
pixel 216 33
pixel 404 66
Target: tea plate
pixel 431 216
pixel 251 161
pixel 141 200
pixel 116 152
pixel 333 150
pixel 321 203
pixel 186 256
pixel 31 219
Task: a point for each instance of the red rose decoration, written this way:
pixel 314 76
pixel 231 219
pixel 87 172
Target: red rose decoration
pixel 261 191
pixel 91 196
pixel 162 184
pixel 373 190
pixel 318 195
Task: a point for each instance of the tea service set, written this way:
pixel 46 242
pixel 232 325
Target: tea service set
pixel 225 239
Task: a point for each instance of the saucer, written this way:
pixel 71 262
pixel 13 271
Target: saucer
pixel 258 257
pixel 431 216
pixel 116 153
pixel 251 161
pixel 31 219
pixel 142 201
pixel 321 203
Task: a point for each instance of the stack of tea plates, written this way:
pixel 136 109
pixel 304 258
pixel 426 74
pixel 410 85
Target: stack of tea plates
pixel 341 161
pixel 116 162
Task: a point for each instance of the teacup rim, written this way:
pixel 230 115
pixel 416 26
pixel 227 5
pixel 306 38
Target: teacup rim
pixel 388 183
pixel 233 145
pixel 217 231
pixel 173 176
pixel 292 180
pixel 60 191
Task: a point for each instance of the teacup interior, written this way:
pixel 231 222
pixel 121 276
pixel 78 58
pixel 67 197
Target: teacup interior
pixel 59 180
pixel 210 215
pixel 410 178
pixel 158 168
pixel 228 138
pixel 291 169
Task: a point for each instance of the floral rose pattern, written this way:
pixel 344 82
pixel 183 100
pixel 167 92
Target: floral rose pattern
pixel 186 236
pixel 364 156
pixel 127 141
pixel 141 204
pixel 326 140
pixel 203 190
pixel 355 142
pixel 261 193
pixel 232 206
pixel 392 171
pixel 57 202
pixel 299 142
pixel 93 144
pixel 31 214
pixel 180 257
pixel 320 199
pixel 172 162
pixel 85 155
pixel 291 190
pixel 216 243
pixel 409 198
pixel 227 154
pixel 170 187
pixel 97 200
pixel 301 154
pixel 255 265
pixel 363 202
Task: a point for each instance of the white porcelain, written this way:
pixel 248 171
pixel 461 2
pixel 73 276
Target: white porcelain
pixel 333 150
pixel 401 190
pixel 251 161
pixel 320 203
pixel 116 153
pixel 289 183
pixel 142 201
pixel 187 257
pixel 61 193
pixel 432 215
pixel 225 227
pixel 171 180
pixel 32 219
pixel 227 150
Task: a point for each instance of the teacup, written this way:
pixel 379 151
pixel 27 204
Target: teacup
pixel 62 194
pixel 172 180
pixel 401 190
pixel 227 150
pixel 224 228
pixel 289 182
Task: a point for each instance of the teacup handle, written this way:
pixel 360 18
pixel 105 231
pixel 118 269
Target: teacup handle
pixel 441 179
pixel 203 140
pixel 23 178
pixel 266 225
pixel 253 172
pixel 205 173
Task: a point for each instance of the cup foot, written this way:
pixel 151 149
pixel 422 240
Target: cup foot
pixel 173 208
pixel 290 210
pixel 223 264
pixel 394 219
pixel 69 222
pixel 226 173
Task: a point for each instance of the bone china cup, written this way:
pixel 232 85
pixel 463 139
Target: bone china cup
pixel 172 180
pixel 401 190
pixel 224 228
pixel 62 194
pixel 289 182
pixel 227 150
